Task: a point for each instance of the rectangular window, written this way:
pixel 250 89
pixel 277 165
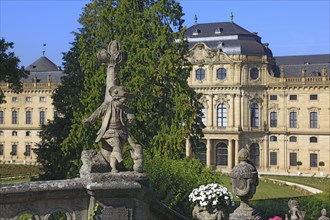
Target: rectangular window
pixel 2 117
pixel 14 99
pixel 313 160
pixel 293 119
pixel 273 97
pixel 28 99
pixel 204 116
pixel 28 117
pixel 293 159
pixel 273 119
pixel 313 120
pixel 1 149
pixel 42 117
pixel 27 150
pixel 13 150
pixel 42 99
pixel 1 133
pixel 293 97
pixel 273 158
pixel 14 117
pixel 313 97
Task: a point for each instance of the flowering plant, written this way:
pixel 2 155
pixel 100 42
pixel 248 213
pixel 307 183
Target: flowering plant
pixel 211 195
pixel 276 218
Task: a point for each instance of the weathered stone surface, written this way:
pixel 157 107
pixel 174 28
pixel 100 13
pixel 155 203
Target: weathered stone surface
pixel 295 212
pixel 244 179
pixel 323 215
pixel 93 162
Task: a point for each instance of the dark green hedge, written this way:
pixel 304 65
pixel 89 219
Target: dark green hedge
pixel 173 180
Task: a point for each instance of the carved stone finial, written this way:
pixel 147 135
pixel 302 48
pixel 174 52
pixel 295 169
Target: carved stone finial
pixel 244 179
pixel 243 155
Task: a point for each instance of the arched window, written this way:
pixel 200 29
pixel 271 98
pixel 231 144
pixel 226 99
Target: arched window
pixel 14 117
pixel 255 154
pixel 273 138
pixel 28 117
pixel 222 115
pixel 221 73
pixel 200 152
pixel 293 139
pixel 313 139
pixel 14 133
pixel 254 113
pixel 42 117
pixel 254 73
pixel 200 74
pixel 222 154
pixel 204 115
pixel 28 133
pixel 2 117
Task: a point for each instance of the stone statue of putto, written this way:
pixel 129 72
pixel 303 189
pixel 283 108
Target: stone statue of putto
pixel 116 118
pixel 295 212
pixel 244 179
pixel 323 215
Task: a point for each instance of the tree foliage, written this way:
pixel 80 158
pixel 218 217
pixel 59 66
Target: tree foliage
pixel 166 108
pixel 9 71
pixel 56 163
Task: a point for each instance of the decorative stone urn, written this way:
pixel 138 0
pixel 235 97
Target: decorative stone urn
pixel 203 213
pixel 244 179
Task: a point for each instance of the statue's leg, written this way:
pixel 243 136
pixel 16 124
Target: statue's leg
pixel 115 155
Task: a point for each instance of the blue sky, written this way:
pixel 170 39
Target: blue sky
pixel 290 27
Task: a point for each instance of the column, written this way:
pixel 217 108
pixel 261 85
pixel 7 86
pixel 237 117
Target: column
pixel 208 152
pixel 188 148
pixel 236 151
pixel 231 116
pixel 230 154
pixel 237 111
pixel 210 111
pixel 266 152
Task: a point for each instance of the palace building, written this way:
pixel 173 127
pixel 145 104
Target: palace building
pixel 276 107
pixel 22 115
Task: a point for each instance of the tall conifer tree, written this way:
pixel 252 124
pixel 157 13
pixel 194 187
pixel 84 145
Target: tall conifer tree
pixel 166 108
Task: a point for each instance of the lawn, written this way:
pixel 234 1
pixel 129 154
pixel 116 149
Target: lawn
pixel 11 173
pixel 267 190
pixel 316 182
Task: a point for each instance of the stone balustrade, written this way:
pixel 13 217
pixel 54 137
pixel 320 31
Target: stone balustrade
pixel 117 196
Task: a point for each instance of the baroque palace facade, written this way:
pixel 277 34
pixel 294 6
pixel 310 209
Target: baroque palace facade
pixel 276 107
pixel 22 115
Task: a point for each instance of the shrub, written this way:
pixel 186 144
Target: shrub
pixel 173 180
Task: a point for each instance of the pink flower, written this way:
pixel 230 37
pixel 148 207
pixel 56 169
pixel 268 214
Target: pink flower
pixel 276 218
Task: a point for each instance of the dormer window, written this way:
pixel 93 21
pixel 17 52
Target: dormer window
pixel 196 32
pixel 218 30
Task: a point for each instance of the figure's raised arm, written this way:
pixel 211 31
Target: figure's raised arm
pixel 98 113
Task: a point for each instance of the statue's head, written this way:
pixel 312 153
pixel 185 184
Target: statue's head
pixel 119 94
